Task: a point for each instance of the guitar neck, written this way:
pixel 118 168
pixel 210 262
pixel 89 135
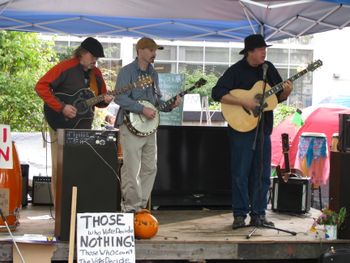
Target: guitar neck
pixel 279 86
pixel 286 162
pixel 95 100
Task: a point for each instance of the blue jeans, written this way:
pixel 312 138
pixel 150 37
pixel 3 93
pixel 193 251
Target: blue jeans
pixel 250 176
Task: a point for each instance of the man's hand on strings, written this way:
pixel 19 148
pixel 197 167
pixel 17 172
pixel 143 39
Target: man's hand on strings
pixel 69 111
pixel 149 113
pixel 176 102
pixel 249 103
pixel 108 98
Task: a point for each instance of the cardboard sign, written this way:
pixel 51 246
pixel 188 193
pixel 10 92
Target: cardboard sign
pixel 6 160
pixel 105 237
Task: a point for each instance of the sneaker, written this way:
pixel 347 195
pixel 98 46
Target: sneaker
pixel 239 221
pixel 260 221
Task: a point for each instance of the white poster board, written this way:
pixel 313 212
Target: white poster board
pixel 6 160
pixel 105 237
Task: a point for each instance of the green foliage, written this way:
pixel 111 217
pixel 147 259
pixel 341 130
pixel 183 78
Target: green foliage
pixel 282 111
pixel 24 58
pixel 66 53
pixel 205 90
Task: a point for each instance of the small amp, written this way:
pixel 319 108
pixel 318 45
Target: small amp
pixel 293 196
pixel 41 190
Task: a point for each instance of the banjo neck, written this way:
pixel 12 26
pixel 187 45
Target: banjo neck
pixel 170 101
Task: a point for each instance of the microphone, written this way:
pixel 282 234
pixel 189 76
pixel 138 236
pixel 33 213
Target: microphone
pixel 265 66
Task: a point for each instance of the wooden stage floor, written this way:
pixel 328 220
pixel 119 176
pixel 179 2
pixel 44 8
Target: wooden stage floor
pixel 198 235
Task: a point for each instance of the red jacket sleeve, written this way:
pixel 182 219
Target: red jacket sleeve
pixel 44 88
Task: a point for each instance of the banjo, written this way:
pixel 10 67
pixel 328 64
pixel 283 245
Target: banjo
pixel 139 125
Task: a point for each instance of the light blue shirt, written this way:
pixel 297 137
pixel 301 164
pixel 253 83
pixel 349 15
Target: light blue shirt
pixel 128 101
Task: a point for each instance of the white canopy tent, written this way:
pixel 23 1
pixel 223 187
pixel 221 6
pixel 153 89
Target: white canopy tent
pixel 210 20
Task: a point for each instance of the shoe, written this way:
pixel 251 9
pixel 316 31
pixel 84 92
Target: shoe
pixel 238 222
pixel 260 220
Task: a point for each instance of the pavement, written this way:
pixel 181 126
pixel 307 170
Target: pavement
pixel 33 150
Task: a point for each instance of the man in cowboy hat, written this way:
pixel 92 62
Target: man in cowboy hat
pixel 250 159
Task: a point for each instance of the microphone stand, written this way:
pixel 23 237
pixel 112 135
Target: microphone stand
pixel 260 131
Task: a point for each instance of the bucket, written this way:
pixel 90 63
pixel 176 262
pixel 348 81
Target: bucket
pixel 11 192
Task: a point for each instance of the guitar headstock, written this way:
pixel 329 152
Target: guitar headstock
pixel 311 67
pixel 144 81
pixel 200 82
pixel 285 142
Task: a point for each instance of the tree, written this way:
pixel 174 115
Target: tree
pixel 24 58
pixel 205 90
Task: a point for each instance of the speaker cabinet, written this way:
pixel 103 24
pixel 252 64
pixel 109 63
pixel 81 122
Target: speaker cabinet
pixel 339 181
pixel 41 190
pixel 344 133
pixel 25 180
pixel 293 196
pixel 88 160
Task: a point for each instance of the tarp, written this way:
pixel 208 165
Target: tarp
pixel 210 20
pixel 321 118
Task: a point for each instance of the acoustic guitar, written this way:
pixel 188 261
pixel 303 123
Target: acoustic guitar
pixel 284 174
pixel 84 100
pixel 244 120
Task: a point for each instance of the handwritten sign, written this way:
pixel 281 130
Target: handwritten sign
pixel 170 85
pixel 6 160
pixel 105 237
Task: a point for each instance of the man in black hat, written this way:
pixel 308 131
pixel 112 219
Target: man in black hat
pixel 250 162
pixel 70 77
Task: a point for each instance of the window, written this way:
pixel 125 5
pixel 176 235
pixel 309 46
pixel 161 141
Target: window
pixel 191 53
pixel 235 56
pixel 216 54
pixel 278 55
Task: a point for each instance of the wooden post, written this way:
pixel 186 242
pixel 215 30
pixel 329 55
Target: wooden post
pixel 72 224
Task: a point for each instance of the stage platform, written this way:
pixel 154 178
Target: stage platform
pixel 194 235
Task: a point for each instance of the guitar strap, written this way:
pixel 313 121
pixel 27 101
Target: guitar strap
pixel 93 83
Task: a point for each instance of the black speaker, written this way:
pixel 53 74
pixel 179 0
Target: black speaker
pixel 339 181
pixel 88 160
pixel 293 196
pixel 25 180
pixel 344 133
pixel 41 194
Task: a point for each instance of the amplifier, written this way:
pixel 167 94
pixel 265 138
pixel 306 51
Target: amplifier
pixel 41 190
pixel 293 196
pixel 88 160
pixel 344 133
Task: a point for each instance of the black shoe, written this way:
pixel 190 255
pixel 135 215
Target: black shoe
pixel 260 221
pixel 238 222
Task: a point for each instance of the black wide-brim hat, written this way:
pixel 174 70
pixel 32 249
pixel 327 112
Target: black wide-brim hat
pixel 253 41
pixel 93 46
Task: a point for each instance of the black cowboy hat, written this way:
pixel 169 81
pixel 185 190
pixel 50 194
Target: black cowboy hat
pixel 253 41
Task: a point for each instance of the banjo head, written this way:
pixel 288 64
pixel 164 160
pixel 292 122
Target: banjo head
pixel 142 126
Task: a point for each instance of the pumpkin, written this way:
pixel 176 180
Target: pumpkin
pixel 145 224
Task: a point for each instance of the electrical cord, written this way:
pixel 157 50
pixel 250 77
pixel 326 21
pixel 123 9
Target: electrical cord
pixel 12 238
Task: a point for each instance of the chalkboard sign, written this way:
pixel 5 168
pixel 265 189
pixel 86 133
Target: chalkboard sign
pixel 170 85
